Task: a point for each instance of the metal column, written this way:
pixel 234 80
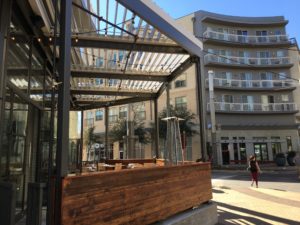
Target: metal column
pixel 63 103
pixel 201 107
pixel 29 71
pixel 156 121
pixel 168 149
pixel 106 131
pixel 81 141
pixel 5 12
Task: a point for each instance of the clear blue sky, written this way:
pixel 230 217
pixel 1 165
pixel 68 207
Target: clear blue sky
pixel 290 9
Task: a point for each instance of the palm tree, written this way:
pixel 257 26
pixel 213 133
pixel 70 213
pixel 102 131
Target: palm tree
pixel 119 130
pixel 90 139
pixel 187 126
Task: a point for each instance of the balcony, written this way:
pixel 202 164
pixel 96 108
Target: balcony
pixel 255 108
pixel 241 62
pixel 220 83
pixel 235 39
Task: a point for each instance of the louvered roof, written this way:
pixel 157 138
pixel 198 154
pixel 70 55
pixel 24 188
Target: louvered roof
pixel 122 51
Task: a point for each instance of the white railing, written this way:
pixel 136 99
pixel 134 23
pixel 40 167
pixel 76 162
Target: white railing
pixel 233 83
pixel 251 39
pixel 254 107
pixel 246 60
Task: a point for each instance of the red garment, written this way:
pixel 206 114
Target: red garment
pixel 254 176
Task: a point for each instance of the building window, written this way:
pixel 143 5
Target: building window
pixel 99 81
pixel 242 146
pixel 139 111
pixel 141 115
pixel 285 98
pixel 99 115
pixel 180 103
pixel 289 143
pixel 123 112
pixel 99 62
pixel 89 122
pixel 113 115
pixel 276 146
pixel 180 82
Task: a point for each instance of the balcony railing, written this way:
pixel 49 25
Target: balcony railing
pixel 263 84
pixel 233 60
pixel 246 39
pixel 254 107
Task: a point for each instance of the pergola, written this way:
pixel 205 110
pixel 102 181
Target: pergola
pixel 95 54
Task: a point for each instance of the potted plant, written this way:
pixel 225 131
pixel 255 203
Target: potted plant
pixel 290 158
pixel 280 159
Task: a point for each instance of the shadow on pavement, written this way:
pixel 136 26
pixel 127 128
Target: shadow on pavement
pixel 229 217
pixel 264 177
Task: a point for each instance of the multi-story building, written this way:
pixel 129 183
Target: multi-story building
pixel 256 71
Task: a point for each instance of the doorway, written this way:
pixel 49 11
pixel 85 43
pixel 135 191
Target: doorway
pixel 225 153
pixel 261 151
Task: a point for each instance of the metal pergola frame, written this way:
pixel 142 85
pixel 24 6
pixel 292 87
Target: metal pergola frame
pixel 140 61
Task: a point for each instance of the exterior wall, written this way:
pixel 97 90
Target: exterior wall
pixel 249 125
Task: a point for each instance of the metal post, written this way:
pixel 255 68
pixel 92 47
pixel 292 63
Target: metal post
pixel 212 116
pixel 50 184
pixel 10 133
pixel 81 141
pixel 106 131
pixel 63 103
pixel 156 119
pixel 201 106
pixel 168 151
pixel 29 71
pixel 5 12
pixel 34 204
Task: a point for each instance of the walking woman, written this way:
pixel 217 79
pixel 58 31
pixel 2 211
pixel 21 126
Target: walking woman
pixel 254 168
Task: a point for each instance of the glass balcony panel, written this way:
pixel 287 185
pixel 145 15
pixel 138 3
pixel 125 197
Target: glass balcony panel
pixel 245 60
pixel 252 39
pixel 254 107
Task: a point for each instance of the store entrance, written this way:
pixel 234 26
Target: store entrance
pixel 261 151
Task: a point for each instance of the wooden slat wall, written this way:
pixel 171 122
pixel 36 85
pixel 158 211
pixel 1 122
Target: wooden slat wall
pixel 134 196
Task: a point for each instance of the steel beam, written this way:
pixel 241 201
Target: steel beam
pixel 123 44
pixel 23 95
pixel 177 72
pixel 155 16
pixel 5 12
pixel 119 75
pixel 113 93
pixel 64 72
pixel 96 105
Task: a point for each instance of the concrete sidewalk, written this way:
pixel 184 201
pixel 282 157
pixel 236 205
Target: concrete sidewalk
pixel 256 206
pixel 264 167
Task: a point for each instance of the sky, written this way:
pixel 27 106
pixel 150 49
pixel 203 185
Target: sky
pixel 290 9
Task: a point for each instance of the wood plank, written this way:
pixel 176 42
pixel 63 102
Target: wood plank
pixel 137 196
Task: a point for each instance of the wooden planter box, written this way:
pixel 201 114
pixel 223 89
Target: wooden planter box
pixel 134 196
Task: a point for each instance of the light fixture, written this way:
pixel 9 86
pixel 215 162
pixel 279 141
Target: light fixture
pixel 39 39
pixel 50 38
pixel 13 38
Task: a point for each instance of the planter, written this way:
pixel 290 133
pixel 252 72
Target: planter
pixel 280 161
pixel 290 161
pixel 290 158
